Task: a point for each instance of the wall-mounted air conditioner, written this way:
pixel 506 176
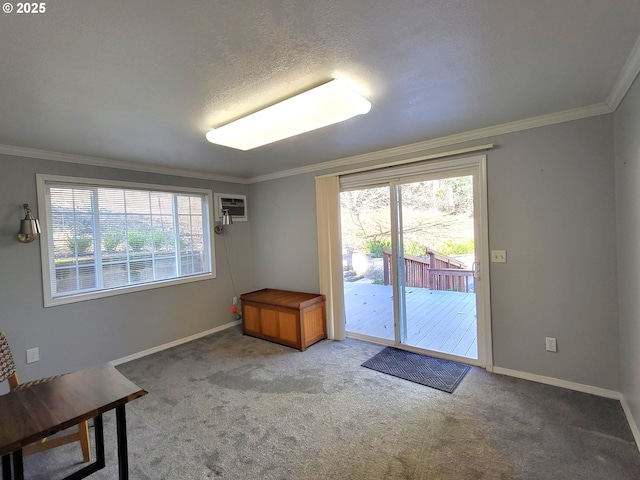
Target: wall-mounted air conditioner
pixel 236 205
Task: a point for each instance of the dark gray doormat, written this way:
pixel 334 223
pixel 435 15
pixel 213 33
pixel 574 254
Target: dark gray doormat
pixel 433 372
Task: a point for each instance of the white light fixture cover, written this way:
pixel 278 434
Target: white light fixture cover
pixel 330 103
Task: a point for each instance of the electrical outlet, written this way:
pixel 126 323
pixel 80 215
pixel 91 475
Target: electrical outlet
pixel 33 355
pixel 551 344
pixel 234 301
pixel 499 256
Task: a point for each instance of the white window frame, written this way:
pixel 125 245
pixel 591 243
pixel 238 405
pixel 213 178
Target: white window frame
pixel 45 251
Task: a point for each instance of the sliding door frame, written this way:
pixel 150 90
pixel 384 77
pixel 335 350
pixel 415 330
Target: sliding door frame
pixel 476 166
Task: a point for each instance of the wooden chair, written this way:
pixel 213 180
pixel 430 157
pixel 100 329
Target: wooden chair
pixel 8 372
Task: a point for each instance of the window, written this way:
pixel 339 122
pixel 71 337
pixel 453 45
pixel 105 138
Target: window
pixel 105 238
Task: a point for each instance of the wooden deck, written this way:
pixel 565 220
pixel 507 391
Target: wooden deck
pixel 437 320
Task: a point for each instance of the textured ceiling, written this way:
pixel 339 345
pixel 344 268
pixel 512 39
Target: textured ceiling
pixel 142 81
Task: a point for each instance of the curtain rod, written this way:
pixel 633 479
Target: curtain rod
pixel 433 156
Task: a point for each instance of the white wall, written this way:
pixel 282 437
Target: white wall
pixel 551 206
pixel 627 147
pixel 285 251
pixel 96 331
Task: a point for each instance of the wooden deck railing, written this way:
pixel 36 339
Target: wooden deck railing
pixel 418 274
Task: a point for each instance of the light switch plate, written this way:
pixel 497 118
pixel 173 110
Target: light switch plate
pixel 33 355
pixel 499 256
pixel 551 345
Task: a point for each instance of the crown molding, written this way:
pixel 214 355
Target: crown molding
pixel 102 162
pixel 627 75
pixel 481 133
pixel 386 154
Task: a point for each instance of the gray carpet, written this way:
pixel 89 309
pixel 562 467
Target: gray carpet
pixel 234 407
pixel 432 372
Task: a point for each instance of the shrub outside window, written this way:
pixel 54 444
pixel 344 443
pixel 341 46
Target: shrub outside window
pixel 103 238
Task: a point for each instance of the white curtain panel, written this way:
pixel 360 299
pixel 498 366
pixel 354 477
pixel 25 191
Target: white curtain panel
pixel 330 253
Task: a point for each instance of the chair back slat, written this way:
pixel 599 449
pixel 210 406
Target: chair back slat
pixel 7 365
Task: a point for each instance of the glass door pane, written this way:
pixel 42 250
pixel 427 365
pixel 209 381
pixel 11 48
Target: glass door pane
pixel 366 243
pixel 435 265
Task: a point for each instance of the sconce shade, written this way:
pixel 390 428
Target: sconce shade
pixel 29 226
pixel 329 103
pixel 226 218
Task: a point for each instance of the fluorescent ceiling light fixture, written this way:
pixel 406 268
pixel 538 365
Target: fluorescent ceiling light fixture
pixel 330 103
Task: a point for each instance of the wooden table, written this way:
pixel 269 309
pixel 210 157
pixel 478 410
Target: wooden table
pixel 38 411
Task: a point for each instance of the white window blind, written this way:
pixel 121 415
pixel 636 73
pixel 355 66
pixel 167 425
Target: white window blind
pixel 105 238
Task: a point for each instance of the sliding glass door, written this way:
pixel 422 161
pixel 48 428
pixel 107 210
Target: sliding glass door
pixel 436 238
pixel 366 243
pixel 410 259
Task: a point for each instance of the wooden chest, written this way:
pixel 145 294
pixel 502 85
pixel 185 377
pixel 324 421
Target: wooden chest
pixel 295 319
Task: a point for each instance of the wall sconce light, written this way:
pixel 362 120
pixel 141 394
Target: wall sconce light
pixel 29 227
pixel 225 219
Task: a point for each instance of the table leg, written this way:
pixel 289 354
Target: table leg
pixel 100 461
pixel 18 471
pixel 123 456
pixel 6 467
pixel 99 439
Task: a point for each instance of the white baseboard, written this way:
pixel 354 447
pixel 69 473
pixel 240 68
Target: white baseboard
pixel 632 422
pixel 556 382
pixel 175 343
